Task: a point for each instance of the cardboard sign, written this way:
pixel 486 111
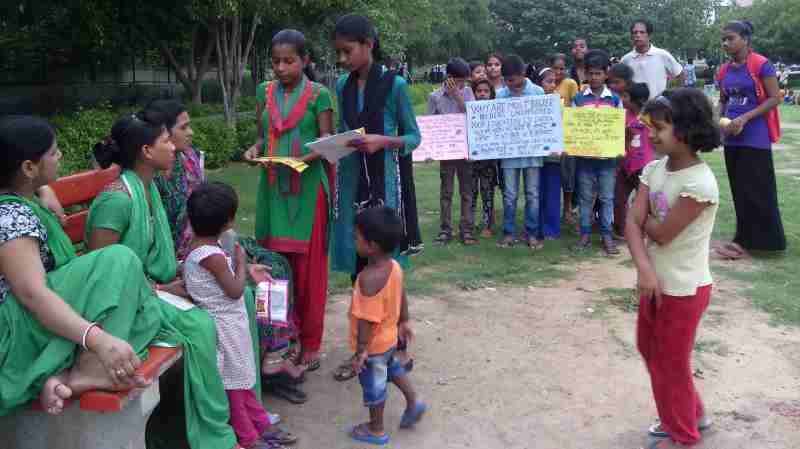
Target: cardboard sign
pixel 515 127
pixel 594 132
pixel 444 138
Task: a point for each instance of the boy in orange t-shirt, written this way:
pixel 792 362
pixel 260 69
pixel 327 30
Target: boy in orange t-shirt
pixel 378 317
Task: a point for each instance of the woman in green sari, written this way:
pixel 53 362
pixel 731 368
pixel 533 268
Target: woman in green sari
pixel 67 324
pixel 130 212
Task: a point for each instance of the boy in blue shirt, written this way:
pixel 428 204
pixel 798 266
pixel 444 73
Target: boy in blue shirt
pixel 517 85
pixel 596 177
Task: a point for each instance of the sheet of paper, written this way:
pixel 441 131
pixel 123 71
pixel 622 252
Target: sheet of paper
pixel 333 148
pixel 594 132
pixel 444 138
pixel 181 303
pixel 515 127
pixel 294 164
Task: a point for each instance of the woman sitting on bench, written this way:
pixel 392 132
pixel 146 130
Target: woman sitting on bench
pixel 129 211
pixel 67 324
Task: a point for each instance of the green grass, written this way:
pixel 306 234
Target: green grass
pixel 772 284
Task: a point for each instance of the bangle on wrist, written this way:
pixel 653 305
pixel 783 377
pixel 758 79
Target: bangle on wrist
pixel 86 334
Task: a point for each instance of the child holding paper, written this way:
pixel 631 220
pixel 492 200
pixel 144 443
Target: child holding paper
pixel 638 153
pixel 550 174
pixel 216 284
pixel 484 173
pixel 517 85
pixel 596 175
pixel 292 211
pixel 674 210
pixel 477 71
pixel 451 98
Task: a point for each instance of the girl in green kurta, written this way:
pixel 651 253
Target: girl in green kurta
pixel 67 324
pixel 129 211
pixel 292 208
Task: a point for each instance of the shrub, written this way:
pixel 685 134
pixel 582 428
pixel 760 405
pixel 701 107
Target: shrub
pixel 216 139
pixel 77 133
pixel 246 135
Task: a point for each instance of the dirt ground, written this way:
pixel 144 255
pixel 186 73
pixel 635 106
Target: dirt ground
pixel 543 368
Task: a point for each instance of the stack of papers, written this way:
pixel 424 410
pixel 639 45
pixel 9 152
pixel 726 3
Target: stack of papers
pixel 295 164
pixel 333 148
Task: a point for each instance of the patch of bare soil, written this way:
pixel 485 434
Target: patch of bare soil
pixel 541 368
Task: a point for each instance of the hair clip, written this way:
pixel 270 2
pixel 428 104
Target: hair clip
pixel 542 72
pixel 664 101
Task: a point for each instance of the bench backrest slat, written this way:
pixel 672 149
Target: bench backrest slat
pixel 78 189
pixel 83 187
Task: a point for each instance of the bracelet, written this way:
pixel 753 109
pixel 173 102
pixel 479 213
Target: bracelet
pixel 86 334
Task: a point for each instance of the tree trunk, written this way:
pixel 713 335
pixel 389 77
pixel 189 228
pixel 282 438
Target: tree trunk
pixel 232 57
pixel 191 74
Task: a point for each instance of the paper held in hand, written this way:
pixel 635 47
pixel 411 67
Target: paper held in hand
pixel 333 148
pixel 295 164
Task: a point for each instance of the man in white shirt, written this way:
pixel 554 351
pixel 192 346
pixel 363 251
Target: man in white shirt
pixel 651 65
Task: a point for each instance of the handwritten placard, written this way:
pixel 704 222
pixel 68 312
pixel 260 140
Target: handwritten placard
pixel 594 132
pixel 514 127
pixel 444 138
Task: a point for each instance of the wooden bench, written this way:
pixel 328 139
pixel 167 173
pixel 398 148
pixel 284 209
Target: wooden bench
pixel 98 419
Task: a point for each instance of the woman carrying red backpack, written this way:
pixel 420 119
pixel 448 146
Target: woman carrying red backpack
pixel 749 96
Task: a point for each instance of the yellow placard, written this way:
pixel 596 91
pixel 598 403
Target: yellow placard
pixel 294 164
pixel 594 132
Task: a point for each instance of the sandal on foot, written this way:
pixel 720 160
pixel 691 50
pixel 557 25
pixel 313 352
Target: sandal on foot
pixel 410 418
pixel 657 431
pixel 535 244
pixel 344 372
pixel 469 240
pixel 442 239
pixel 279 436
pixel 287 392
pixel 506 242
pixel 361 433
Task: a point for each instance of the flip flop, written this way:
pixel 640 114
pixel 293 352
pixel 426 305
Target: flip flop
pixel 362 434
pixel 409 419
pixel 344 372
pixel 657 431
pixel 279 436
pixel 287 392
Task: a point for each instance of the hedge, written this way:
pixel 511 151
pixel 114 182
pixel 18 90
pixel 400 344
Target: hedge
pixel 78 132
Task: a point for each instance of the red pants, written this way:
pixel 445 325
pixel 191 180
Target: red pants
pixel 665 338
pixel 248 418
pixel 311 280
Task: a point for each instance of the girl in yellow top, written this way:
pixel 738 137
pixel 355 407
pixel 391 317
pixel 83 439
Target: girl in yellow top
pixel 675 208
pixel 567 88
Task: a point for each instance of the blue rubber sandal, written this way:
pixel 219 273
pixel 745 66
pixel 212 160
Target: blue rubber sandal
pixel 409 419
pixel 361 433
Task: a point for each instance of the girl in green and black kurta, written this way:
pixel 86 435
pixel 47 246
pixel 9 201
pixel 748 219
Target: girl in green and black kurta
pixel 129 211
pixel 292 212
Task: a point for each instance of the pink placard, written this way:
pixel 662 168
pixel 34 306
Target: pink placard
pixel 444 138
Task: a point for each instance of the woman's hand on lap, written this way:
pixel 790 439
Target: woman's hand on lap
pixel 117 356
pixel 176 287
pixel 259 273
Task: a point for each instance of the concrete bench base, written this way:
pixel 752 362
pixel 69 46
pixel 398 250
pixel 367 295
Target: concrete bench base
pixel 79 429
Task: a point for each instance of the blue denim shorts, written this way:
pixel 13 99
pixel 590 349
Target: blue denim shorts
pixel 378 371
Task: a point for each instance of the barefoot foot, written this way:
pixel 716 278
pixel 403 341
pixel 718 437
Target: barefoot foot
pixel 54 393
